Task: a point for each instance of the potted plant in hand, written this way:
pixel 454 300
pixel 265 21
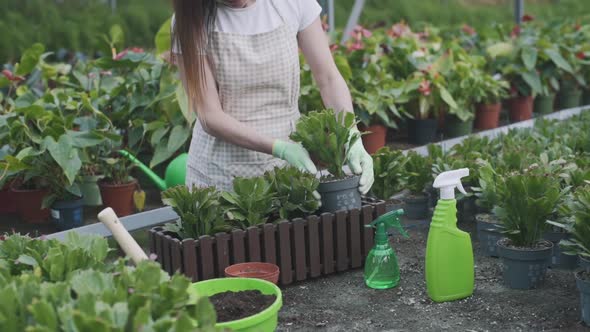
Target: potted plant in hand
pixel 327 136
pixel 117 188
pixel 418 173
pixel 527 200
pixel 579 245
pixel 390 176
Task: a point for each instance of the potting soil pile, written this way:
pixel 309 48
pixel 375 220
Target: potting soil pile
pixel 237 305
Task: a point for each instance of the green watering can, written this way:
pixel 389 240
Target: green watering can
pixel 175 172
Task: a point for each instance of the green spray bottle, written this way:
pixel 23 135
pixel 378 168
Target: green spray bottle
pixel 449 255
pixel 381 268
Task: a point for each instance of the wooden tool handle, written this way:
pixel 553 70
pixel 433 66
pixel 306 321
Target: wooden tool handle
pixel 125 240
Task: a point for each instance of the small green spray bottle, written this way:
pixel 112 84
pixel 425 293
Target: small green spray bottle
pixel 381 269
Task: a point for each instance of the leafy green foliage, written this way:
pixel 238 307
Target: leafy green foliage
pixel 487 192
pixel 294 191
pixel 327 135
pixel 251 203
pixel 117 170
pixel 527 200
pixel 578 225
pixel 390 173
pixel 47 285
pixel 418 172
pixel 199 210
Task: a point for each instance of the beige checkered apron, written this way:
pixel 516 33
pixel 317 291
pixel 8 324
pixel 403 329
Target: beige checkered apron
pixel 258 83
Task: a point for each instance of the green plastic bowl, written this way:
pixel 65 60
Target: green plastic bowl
pixel 267 320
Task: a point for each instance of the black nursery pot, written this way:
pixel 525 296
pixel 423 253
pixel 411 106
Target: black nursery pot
pixel 488 234
pixel 416 207
pixel 340 194
pixel 68 214
pixel 524 268
pixel 421 132
pixel 583 283
pixel 558 258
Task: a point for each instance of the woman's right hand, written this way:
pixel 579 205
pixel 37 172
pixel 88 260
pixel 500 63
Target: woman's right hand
pixel 294 154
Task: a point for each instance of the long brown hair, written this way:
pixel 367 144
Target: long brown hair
pixel 193 21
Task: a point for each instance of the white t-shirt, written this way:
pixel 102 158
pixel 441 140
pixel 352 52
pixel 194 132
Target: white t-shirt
pixel 261 16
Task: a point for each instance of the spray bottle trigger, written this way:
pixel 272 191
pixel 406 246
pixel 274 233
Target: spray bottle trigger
pixel 461 189
pixel 391 219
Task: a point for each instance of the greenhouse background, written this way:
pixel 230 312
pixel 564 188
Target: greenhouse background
pixel 454 195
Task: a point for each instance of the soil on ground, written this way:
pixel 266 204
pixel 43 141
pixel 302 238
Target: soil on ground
pixel 237 305
pixel 342 302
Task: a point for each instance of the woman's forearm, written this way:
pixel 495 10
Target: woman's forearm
pixel 229 129
pixel 335 93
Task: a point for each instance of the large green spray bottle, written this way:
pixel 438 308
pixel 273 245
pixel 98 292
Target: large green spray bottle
pixel 381 268
pixel 449 255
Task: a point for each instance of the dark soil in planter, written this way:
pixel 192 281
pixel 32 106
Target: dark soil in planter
pixel 232 306
pixel 342 302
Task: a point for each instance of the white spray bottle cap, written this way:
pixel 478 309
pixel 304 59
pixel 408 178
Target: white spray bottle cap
pixel 448 181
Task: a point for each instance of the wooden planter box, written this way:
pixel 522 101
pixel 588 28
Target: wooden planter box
pixel 302 248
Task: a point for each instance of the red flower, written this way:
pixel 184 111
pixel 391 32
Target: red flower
pixel 469 30
pixel 581 55
pixel 136 50
pixel 424 88
pixel 2 238
pixel 527 18
pixel 515 31
pixel 11 77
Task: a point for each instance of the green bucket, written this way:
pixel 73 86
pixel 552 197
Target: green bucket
pixel 264 321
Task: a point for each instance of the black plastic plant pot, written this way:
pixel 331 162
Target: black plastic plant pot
pixel 340 195
pixel 488 234
pixel 568 99
pixel 421 132
pixel 416 207
pixel 394 204
pixel 559 260
pixel 583 283
pixel 68 214
pixel 544 104
pixel 454 127
pixel 584 263
pixel 524 268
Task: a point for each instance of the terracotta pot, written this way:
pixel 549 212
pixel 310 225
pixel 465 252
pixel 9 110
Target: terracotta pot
pixel 28 205
pixel 376 139
pixel 118 197
pixel 266 271
pixel 7 201
pixel 520 108
pixel 487 116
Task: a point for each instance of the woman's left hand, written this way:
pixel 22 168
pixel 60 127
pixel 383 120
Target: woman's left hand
pixel 361 163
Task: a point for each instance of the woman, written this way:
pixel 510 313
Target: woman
pixel 239 63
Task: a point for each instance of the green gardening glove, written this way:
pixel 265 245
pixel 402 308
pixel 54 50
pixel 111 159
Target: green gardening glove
pixel 361 163
pixel 294 154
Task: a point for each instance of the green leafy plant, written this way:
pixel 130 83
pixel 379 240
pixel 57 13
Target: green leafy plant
pixel 579 208
pixel 250 203
pixel 390 173
pixel 487 192
pixel 327 136
pixel 199 210
pixel 294 190
pixel 418 172
pixel 117 170
pixel 527 200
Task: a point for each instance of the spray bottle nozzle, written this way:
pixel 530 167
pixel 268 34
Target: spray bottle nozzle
pixel 388 220
pixel 448 181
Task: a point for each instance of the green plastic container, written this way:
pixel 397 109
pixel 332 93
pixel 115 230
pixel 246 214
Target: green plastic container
pixel 454 127
pixel 264 321
pixel 544 104
pixel 90 190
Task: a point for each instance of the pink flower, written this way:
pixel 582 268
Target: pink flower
pixel 527 18
pixel 136 50
pixel 468 30
pixel 120 55
pixel 515 31
pixel 11 77
pixel 91 75
pixel 359 31
pixel 398 30
pixel 106 73
pixel 424 88
pixel 334 47
pixel 357 45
